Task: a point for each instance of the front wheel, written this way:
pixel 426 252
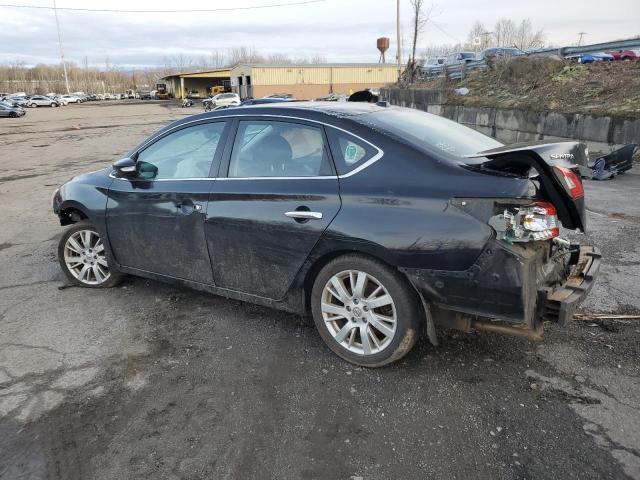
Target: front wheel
pixel 13 115
pixel 83 259
pixel 33 105
pixel 365 311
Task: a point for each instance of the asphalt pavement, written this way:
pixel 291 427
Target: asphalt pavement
pixel 150 381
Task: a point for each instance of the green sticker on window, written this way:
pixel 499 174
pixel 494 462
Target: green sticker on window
pixel 350 152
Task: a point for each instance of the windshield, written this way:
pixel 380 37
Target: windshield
pixel 431 131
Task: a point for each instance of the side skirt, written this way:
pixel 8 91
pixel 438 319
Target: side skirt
pixel 292 303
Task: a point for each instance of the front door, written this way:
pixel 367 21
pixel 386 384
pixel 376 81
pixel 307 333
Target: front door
pixel 279 196
pixel 155 222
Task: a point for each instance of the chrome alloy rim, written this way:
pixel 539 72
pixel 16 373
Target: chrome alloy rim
pixel 359 312
pixel 85 258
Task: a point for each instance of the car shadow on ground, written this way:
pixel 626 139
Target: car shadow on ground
pixel 233 390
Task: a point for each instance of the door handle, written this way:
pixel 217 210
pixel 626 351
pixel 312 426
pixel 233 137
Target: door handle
pixel 304 215
pixel 187 207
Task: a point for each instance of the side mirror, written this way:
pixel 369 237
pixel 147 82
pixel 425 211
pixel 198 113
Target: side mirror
pixel 125 167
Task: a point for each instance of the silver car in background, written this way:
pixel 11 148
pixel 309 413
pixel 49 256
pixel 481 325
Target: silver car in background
pixel 7 110
pixel 42 101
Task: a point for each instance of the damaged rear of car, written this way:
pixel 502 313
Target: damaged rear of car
pixel 526 272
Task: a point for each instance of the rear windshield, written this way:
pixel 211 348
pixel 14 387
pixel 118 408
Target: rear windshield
pixel 431 132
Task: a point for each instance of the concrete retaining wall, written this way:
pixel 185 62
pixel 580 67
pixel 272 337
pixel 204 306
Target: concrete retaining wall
pixel 601 134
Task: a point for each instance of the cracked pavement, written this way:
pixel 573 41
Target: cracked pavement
pixel 152 381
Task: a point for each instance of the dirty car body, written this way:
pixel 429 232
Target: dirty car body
pixel 465 224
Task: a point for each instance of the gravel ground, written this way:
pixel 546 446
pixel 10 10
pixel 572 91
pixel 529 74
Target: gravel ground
pixel 151 381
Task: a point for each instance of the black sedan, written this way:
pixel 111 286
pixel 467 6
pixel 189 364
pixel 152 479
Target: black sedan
pixel 376 220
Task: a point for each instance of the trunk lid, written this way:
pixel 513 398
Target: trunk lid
pixel 557 166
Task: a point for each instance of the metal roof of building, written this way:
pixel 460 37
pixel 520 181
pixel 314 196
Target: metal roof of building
pixel 315 65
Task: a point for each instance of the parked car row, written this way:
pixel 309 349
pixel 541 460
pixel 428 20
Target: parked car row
pixel 436 66
pixel 620 55
pixel 57 100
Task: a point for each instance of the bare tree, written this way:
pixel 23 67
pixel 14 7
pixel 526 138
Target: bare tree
pixel 420 19
pixel 244 54
pixel 507 33
pixel 478 30
pixel 526 37
pixel 318 58
pixel 504 33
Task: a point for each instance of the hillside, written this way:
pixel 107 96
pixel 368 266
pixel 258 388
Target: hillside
pixel 547 84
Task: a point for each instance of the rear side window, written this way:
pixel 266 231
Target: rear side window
pixel 432 132
pixel 265 148
pixel 348 151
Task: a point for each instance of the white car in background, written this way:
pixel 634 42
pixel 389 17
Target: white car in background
pixel 71 99
pixel 224 100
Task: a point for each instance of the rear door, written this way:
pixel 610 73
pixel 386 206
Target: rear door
pixel 279 195
pixel 155 222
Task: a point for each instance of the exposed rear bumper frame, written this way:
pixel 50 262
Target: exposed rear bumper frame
pixel 562 301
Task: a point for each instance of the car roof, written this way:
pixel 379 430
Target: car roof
pixel 312 109
pixel 324 112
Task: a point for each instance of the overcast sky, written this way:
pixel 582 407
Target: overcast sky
pixel 341 30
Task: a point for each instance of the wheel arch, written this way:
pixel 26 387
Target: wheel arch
pixel 322 258
pixel 71 212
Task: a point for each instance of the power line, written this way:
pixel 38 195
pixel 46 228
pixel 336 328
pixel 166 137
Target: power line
pixel 203 10
pixel 64 64
pixel 444 31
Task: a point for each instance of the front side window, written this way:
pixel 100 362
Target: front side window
pixel 278 149
pixel 187 153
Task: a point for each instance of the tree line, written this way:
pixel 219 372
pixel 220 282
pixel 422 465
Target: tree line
pixel 110 78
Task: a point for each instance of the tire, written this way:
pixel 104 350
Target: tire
pixel 13 115
pixel 53 105
pixel 33 105
pixel 85 272
pixel 394 341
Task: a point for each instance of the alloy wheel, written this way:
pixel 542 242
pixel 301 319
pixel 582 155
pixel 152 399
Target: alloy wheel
pixel 359 312
pixel 85 258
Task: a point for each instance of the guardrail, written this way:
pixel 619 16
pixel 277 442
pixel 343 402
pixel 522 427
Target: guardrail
pixel 459 71
pixel 631 43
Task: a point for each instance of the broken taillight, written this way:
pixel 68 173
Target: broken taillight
pixel 535 222
pixel 571 181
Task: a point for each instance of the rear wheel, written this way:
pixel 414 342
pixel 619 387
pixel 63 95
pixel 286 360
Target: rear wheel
pixel 366 312
pixel 13 114
pixel 83 259
pixel 33 105
pixel 53 104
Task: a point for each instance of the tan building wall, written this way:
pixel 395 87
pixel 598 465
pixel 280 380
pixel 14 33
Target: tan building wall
pixel 309 81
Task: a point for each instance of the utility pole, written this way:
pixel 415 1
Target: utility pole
pixel 398 56
pixel 64 65
pixel 582 34
pixel 485 38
